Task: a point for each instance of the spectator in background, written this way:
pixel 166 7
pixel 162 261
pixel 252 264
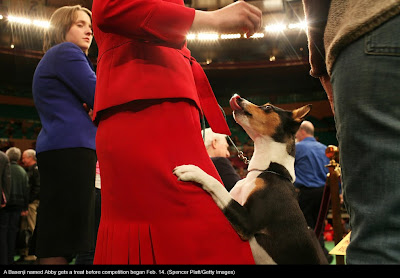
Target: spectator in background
pixel 217 148
pixel 5 188
pixel 17 204
pixel 63 86
pixel 29 161
pixel 30 164
pixel 5 181
pixel 310 170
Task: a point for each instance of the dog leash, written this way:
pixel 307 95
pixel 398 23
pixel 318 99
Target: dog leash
pixel 240 153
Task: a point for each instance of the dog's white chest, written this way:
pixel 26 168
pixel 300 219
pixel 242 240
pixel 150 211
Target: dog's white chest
pixel 242 189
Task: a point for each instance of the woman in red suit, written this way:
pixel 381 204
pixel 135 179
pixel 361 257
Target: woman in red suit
pixel 149 95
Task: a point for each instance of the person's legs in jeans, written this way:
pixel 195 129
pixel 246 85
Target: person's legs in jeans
pixel 366 85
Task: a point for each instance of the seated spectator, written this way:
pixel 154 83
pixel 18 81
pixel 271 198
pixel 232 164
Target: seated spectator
pixel 217 149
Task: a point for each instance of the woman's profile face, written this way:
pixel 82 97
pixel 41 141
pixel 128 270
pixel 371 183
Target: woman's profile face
pixel 81 32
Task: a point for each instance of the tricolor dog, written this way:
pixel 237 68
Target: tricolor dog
pixel 263 207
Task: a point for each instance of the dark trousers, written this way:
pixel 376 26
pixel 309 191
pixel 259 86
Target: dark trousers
pixel 86 258
pixel 9 226
pixel 310 202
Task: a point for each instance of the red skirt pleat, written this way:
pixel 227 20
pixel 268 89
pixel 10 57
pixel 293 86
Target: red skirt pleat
pixel 148 216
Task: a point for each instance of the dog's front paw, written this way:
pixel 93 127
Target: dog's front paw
pixel 188 173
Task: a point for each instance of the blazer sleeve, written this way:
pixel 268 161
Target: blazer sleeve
pixel 226 171
pixel 150 20
pixel 73 68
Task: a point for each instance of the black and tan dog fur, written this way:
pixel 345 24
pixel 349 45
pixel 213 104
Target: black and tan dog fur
pixel 263 207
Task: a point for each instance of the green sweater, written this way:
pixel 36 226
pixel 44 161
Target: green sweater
pixel 19 188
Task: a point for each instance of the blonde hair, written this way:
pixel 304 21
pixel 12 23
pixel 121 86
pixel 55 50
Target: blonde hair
pixel 60 23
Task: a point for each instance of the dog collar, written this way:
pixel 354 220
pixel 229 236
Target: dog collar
pixel 272 172
pixel 251 170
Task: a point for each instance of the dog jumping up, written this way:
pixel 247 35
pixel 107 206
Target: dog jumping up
pixel 263 207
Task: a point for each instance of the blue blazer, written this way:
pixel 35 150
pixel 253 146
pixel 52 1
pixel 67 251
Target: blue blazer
pixel 64 79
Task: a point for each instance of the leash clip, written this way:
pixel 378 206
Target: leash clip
pixel 242 157
pixel 240 153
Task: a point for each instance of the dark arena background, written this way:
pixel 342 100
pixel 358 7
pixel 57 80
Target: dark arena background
pixel 271 67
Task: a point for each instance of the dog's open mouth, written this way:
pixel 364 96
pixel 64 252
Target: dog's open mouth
pixel 235 103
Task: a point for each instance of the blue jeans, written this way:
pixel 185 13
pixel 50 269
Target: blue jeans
pixel 366 86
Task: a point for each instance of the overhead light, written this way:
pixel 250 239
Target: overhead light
pixel 300 25
pixel 41 23
pixel 207 36
pixel 257 35
pixel 1 17
pixel 191 36
pixel 230 36
pixel 27 21
pixel 271 28
pixel 275 28
pixel 12 46
pixel 20 20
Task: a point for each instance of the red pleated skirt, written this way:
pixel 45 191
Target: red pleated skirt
pixel 147 215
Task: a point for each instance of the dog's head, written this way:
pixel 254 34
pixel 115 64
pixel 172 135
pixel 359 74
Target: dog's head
pixel 267 120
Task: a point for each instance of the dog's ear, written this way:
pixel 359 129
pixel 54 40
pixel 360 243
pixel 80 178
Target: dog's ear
pixel 300 113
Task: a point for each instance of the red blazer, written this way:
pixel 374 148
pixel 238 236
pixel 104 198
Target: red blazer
pixel 143 55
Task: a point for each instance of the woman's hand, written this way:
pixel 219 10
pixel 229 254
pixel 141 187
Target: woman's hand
pixel 88 110
pixel 238 17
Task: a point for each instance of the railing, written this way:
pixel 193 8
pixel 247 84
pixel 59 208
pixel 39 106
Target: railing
pixel 331 195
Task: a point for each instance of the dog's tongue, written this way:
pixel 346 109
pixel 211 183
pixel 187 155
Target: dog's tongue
pixel 233 103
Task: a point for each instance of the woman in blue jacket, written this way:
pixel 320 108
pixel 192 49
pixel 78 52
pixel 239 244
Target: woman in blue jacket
pixel 63 87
